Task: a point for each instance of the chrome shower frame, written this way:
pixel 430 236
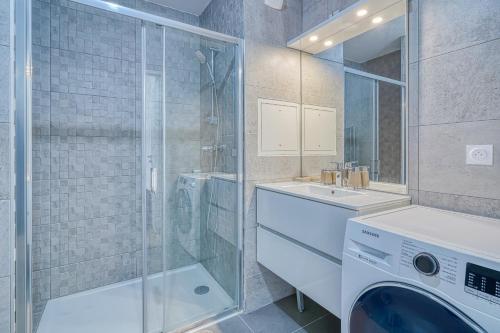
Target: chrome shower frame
pixel 23 148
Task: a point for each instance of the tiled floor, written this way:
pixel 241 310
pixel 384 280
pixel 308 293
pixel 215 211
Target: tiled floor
pixel 281 317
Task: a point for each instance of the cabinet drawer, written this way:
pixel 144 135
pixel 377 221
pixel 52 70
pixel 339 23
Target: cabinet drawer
pixel 318 225
pixel 314 275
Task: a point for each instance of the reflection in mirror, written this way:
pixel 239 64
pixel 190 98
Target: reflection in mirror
pixel 364 80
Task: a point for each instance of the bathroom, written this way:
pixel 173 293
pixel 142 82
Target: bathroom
pixel 249 166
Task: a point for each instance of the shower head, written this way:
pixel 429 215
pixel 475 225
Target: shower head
pixel 203 61
pixel 200 56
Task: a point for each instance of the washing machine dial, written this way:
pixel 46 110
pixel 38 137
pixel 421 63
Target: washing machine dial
pixel 426 263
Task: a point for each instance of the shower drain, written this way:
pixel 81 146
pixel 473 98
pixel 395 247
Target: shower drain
pixel 201 290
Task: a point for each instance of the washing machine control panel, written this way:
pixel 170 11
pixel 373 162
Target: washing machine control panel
pixel 482 282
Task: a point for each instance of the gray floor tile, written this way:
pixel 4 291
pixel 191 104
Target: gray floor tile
pixel 327 324
pixel 232 325
pixel 283 317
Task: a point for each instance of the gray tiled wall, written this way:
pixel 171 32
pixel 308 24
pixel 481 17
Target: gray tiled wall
pixel 6 195
pixel 86 145
pixel 271 71
pixel 225 16
pixel 454 99
pixel 323 85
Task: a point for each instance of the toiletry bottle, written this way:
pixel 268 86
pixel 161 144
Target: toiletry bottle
pixel 329 177
pixel 365 177
pixel 326 177
pixel 356 178
pixel 323 176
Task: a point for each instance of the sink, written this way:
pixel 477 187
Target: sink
pixel 322 190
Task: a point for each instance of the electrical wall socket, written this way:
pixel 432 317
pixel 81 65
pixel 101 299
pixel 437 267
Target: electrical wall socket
pixel 479 155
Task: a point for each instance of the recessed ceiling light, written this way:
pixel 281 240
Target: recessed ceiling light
pixel 313 38
pixel 377 20
pixel 362 12
pixel 328 43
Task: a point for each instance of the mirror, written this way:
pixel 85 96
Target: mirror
pixel 362 82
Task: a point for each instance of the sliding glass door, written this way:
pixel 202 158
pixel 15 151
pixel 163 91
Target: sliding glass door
pixel 374 125
pixel 361 122
pixel 190 186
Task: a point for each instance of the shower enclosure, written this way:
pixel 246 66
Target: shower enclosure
pixel 374 124
pixel 130 214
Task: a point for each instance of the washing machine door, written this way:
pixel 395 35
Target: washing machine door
pixel 399 308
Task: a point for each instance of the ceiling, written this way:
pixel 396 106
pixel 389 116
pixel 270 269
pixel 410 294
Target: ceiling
pixel 376 42
pixel 195 7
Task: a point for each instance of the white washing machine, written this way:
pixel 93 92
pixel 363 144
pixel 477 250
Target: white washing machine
pixel 421 270
pixel 188 207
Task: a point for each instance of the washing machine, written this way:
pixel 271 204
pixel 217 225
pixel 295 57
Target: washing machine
pixel 188 206
pixel 421 270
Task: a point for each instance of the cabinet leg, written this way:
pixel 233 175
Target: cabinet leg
pixel 300 300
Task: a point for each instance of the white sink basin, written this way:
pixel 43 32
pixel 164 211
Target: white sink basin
pixel 321 190
pixel 359 200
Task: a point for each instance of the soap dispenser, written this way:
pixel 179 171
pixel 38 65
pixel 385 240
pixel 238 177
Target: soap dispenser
pixel 355 177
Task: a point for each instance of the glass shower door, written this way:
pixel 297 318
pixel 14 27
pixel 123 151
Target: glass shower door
pixel 361 122
pixel 189 175
pixel 152 165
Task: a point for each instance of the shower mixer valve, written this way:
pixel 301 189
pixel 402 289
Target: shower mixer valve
pixel 213 148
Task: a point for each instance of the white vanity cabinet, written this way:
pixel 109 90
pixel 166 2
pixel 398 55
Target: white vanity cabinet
pixel 309 222
pixel 300 237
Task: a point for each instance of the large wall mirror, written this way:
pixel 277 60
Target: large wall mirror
pixel 354 81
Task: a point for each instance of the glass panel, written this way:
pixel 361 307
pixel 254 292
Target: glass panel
pixel 153 163
pixel 192 246
pixel 86 232
pixel 396 309
pixel 374 127
pixel 361 128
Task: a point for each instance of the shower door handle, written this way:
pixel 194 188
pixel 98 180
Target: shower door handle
pixel 154 180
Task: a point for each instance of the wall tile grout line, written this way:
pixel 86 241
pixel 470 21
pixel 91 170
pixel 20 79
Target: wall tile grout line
pixel 87 95
pixel 460 195
pixel 458 122
pixel 312 322
pixel 459 49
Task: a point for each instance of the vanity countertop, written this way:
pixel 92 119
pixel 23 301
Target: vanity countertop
pixel 342 197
